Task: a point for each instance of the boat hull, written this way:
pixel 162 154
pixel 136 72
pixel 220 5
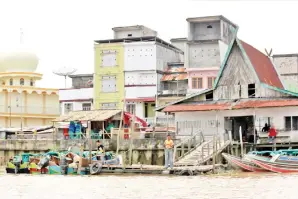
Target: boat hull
pixel 281 164
pixel 19 171
pixel 243 164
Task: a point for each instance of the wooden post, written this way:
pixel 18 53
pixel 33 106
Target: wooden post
pixel 241 141
pixel 213 155
pixel 130 139
pixel 254 130
pixel 103 130
pixel 120 126
pixel 89 141
pixel 167 121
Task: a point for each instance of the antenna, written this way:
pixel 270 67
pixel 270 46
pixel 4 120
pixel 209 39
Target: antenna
pixel 65 72
pixel 21 35
pixel 270 52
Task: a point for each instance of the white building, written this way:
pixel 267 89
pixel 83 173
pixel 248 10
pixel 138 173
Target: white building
pixel 145 60
pixel 79 97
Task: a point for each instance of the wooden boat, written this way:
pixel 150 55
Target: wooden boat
pixel 19 164
pixel 279 163
pixel 244 164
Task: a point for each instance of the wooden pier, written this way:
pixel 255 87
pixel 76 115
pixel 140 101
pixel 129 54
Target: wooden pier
pixel 151 169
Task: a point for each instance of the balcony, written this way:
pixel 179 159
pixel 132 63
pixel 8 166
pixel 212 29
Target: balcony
pixel 170 93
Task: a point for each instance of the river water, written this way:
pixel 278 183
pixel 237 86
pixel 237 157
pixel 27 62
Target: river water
pixel 232 185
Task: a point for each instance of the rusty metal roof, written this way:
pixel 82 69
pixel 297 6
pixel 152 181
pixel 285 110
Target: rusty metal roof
pixel 94 115
pixel 174 77
pixel 141 99
pixel 229 105
pixel 197 107
pixel 263 66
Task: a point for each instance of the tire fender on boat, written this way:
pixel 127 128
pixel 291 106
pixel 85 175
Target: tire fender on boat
pixel 95 168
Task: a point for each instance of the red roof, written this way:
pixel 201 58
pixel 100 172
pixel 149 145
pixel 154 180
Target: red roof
pixel 228 105
pixel 197 107
pixel 266 103
pixel 141 99
pixel 263 66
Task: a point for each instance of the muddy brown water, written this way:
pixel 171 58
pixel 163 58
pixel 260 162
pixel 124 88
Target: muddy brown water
pixel 231 185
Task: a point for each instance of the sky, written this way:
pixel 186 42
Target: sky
pixel 61 32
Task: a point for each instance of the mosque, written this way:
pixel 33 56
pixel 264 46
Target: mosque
pixel 22 104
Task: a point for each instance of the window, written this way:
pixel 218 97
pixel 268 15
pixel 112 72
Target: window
pixel 108 58
pixel 251 91
pixel 291 123
pixel 211 81
pixel 108 84
pixel 11 82
pixel 68 107
pixel 131 108
pixel 209 26
pixel 197 83
pixel 86 106
pixel 31 82
pixel 22 82
pixel 209 96
pixel 109 105
pixel 129 35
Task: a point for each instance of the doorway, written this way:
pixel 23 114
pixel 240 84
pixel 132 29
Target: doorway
pixel 247 127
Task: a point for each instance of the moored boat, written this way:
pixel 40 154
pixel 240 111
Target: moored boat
pixel 244 164
pixel 279 163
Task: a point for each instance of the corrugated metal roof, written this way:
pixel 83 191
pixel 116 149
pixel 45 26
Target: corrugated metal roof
pixel 229 105
pixel 141 99
pixel 174 77
pixel 263 66
pixel 266 103
pixel 197 107
pixel 94 115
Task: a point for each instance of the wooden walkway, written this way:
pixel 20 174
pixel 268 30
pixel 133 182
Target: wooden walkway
pixel 202 153
pixel 151 169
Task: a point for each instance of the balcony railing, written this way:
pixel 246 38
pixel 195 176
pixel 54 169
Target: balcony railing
pixel 172 92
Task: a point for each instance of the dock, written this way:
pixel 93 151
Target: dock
pixel 152 169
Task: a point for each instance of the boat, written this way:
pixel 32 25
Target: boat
pixel 19 164
pixel 244 164
pixel 279 163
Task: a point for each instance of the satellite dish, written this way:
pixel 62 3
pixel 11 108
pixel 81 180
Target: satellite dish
pixel 65 72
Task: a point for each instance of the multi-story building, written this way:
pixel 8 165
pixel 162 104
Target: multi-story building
pixel 79 96
pixel 205 49
pixel 129 68
pixel 22 103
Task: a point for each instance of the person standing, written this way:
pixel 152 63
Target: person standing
pixel 169 144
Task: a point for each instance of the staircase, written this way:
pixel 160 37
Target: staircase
pixel 202 152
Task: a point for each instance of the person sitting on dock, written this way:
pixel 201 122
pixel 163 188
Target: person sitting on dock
pixel 272 134
pixel 100 147
pixel 169 144
pixel 265 128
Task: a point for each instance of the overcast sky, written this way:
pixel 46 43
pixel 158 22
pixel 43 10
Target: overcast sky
pixel 62 31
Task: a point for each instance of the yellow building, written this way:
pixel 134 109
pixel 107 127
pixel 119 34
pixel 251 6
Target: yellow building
pixel 109 75
pixel 23 104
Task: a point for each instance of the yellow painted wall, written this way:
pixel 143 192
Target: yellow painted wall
pixel 118 71
pixel 52 105
pixel 151 111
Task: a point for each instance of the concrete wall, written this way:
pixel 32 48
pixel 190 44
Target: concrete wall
pixel 204 30
pixel 144 151
pixel 139 56
pixel 203 55
pixel 165 55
